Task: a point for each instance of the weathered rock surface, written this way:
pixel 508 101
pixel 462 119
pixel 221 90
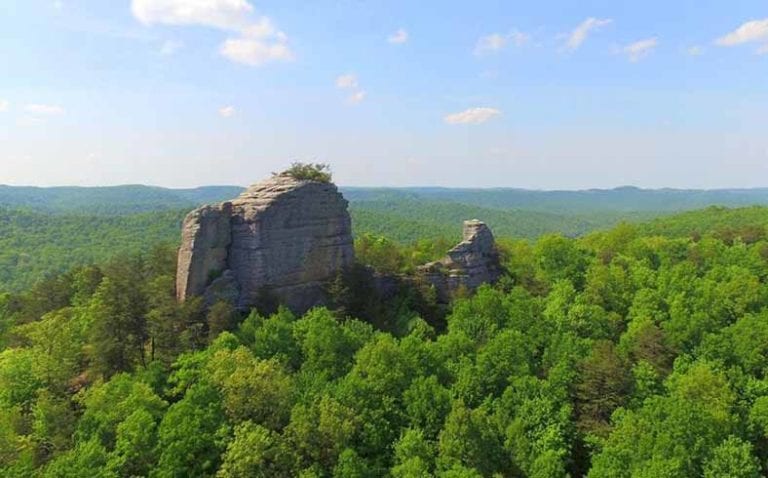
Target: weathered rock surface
pixel 205 239
pixel 281 238
pixel 471 263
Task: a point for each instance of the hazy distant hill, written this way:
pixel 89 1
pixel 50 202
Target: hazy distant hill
pixel 35 244
pixel 626 199
pixel 136 198
pixel 407 220
pixel 111 200
pixel 48 230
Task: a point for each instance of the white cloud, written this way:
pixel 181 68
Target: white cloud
pixel 581 32
pixel 399 37
pixel 263 28
pixel 258 41
pixel 496 41
pixel 752 31
pixel 357 97
pixel 44 110
pixel 346 81
pixel 170 47
pixel 695 51
pixel 58 5
pixel 640 49
pixel 254 52
pixel 222 14
pixel 472 116
pixel 490 43
pixel 227 111
pixel 4 105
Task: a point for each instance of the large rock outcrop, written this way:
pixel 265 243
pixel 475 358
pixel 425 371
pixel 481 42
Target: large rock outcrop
pixel 282 238
pixel 471 263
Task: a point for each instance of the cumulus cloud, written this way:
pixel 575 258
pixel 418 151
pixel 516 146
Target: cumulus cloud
pixel 221 14
pixel 640 49
pixel 357 97
pixel 581 32
pixel 257 40
pixel 227 111
pixel 44 110
pixel 472 116
pixel 4 105
pixel 496 41
pixel 170 47
pixel 399 37
pixel 254 52
pixel 346 81
pixel 754 31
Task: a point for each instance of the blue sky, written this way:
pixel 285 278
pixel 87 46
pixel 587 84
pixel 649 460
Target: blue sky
pixel 548 94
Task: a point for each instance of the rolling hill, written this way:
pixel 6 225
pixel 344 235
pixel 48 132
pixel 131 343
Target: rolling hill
pixel 50 230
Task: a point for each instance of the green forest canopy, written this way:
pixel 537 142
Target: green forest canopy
pixel 34 244
pixel 640 351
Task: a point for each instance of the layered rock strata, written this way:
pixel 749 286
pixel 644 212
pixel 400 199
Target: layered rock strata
pixel 282 238
pixel 471 263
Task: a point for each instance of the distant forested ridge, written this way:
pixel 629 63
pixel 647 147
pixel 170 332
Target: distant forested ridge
pixel 624 199
pixel 51 230
pixel 406 220
pixel 635 351
pixel 112 200
pixel 35 244
pixel 138 198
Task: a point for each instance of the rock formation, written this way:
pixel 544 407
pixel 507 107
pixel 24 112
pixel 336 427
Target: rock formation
pixel 283 238
pixel 471 263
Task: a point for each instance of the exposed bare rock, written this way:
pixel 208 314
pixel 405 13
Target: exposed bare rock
pixel 205 239
pixel 281 238
pixel 471 263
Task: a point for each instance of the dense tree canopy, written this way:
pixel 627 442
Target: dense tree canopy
pixel 621 354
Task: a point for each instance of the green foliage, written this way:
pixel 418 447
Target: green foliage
pixel 87 459
pixel 308 172
pixel 254 452
pixel 621 354
pixel 469 438
pixel 18 382
pixel 408 220
pixel 34 245
pixel 252 389
pixel 111 200
pixel 117 331
pixel 732 459
pixel 414 455
pixel 189 442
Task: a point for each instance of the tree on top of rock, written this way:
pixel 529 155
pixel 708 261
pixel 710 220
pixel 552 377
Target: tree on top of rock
pixel 308 172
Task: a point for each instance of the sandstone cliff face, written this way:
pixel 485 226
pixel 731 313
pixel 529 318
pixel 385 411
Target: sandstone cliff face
pixel 282 238
pixel 471 263
pixel 205 239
